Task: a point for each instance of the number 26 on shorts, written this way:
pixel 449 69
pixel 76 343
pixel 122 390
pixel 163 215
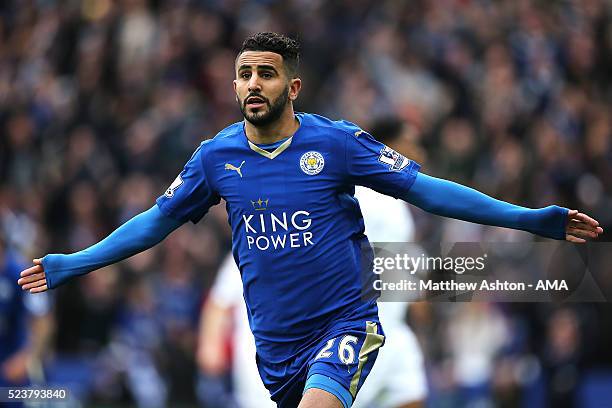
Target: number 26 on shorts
pixel 346 351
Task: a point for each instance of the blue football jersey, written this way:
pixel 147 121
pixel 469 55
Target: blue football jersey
pixel 297 227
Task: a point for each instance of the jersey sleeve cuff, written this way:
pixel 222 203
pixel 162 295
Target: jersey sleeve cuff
pixel 168 213
pixel 413 171
pixel 48 273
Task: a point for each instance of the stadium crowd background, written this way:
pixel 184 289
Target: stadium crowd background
pixel 102 102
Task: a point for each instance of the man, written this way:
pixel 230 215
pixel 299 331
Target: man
pixel 288 181
pixel 398 377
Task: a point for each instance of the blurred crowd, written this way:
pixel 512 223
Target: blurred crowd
pixel 102 102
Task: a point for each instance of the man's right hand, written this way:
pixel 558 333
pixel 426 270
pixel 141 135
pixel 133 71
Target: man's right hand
pixel 33 278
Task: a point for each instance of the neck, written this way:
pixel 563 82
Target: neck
pixel 282 128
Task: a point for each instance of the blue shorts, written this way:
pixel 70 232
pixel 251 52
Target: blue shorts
pixel 338 364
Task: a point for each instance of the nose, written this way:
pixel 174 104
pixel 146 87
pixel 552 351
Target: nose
pixel 254 85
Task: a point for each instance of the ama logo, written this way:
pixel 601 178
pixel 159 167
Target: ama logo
pixel 276 230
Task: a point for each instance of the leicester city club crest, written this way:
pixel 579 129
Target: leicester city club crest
pixel 312 163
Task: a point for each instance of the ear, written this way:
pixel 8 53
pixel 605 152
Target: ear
pixel 234 82
pixel 295 85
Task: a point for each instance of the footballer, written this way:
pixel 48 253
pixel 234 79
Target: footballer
pixel 288 180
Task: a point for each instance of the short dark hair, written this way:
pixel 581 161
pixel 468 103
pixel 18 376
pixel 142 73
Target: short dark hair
pixel 287 47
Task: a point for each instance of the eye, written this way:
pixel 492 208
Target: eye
pixel 266 75
pixel 245 75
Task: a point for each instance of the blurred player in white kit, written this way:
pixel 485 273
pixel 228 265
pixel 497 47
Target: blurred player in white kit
pixel 398 377
pixel 225 310
pixel 397 380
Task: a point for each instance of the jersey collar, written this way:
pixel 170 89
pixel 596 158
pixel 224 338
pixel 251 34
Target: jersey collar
pixel 271 155
pixel 281 148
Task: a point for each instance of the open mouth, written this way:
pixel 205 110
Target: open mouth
pixel 255 101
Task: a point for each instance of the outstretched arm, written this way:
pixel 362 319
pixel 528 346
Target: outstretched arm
pixel 136 235
pixel 371 164
pixel 449 199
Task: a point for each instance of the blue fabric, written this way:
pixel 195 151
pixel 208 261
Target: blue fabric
pixel 330 385
pixel 271 146
pixel 297 229
pixel 138 234
pixel 13 313
pixel 288 381
pixel 449 199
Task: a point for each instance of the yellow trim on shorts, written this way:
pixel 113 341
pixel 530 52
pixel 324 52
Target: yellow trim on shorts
pixel 372 342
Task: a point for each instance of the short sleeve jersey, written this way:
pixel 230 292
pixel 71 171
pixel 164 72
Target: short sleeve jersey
pixel 297 227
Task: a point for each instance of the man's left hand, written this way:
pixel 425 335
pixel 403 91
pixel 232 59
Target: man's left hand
pixel 581 227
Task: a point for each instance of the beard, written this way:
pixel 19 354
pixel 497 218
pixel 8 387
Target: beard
pixel 272 114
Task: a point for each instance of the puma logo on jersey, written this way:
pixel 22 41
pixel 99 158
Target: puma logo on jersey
pixel 229 166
